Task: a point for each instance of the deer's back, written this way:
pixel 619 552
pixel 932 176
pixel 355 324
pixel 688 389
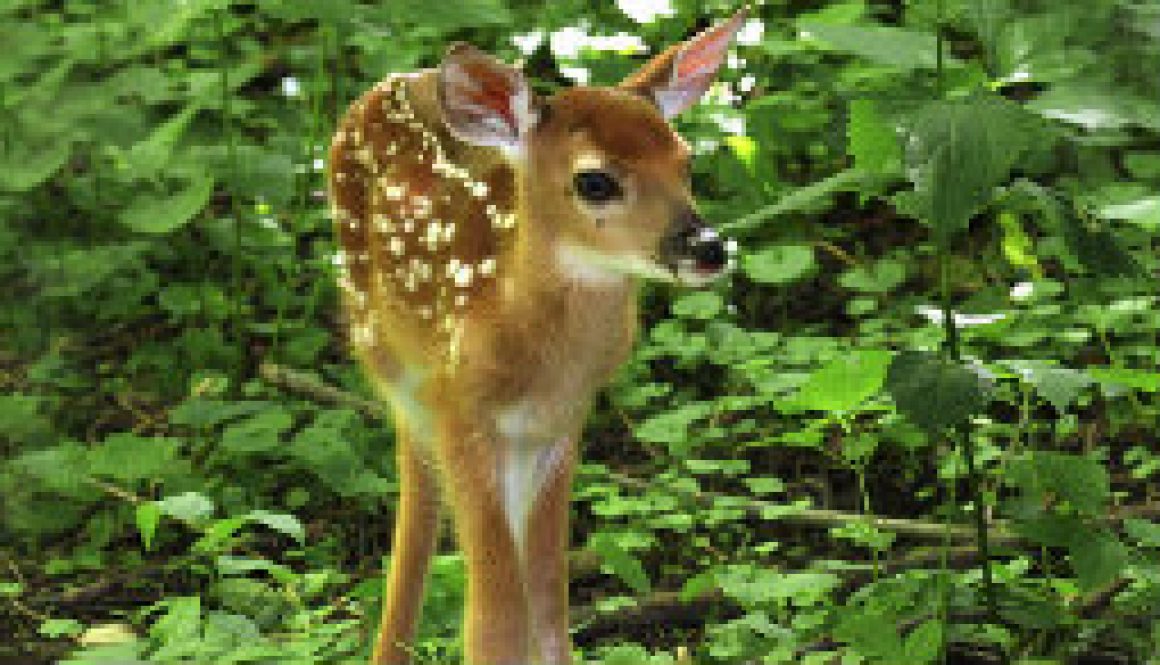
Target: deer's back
pixel 423 223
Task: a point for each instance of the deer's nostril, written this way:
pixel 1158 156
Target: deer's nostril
pixel 710 255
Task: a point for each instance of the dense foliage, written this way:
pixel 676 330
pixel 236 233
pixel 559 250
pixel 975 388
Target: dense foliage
pixel 940 347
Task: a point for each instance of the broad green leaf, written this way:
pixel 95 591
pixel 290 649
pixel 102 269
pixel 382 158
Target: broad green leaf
pixel 205 412
pixel 932 392
pixel 233 565
pixel 672 427
pixel 703 305
pixel 924 644
pixel 1144 212
pixel 1135 379
pixel 258 433
pixel 1144 532
pixel 779 264
pixel 58 628
pixel 1058 385
pixel 879 277
pixel 28 162
pixel 872 633
pixel 129 457
pixel 21 420
pixel 1081 481
pixel 620 562
pixel 1096 107
pixel 894 47
pixel 187 507
pixel 1092 244
pixel 811 198
pixel 873 142
pixel 281 522
pixel 147 516
pixel 958 152
pixel 846 382
pixel 1098 560
pixel 153 213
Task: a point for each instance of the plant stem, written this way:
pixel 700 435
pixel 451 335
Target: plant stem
pixel 232 160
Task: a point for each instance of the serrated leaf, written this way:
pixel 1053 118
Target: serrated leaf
pixel 845 382
pixel 620 562
pixel 932 392
pixel 873 142
pixel 779 264
pixel 957 152
pixel 153 213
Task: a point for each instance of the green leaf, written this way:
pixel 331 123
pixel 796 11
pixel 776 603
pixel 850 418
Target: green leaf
pixel 1050 476
pixel 880 277
pixel 202 412
pixel 151 213
pixel 26 163
pixel 1098 559
pixel 1135 379
pixel 258 433
pixel 281 522
pixel 189 507
pixel 147 516
pixel 1144 212
pixel 779 264
pixel 957 152
pixel 932 392
pixel 924 644
pixel 58 628
pixel 672 427
pixel 872 633
pixel 620 562
pixel 846 382
pixel 894 47
pixel 129 457
pixel 1058 385
pixel 873 141
pixel 1096 107
pixel 811 198
pixel 1092 244
pixel 1144 532
pixel 702 305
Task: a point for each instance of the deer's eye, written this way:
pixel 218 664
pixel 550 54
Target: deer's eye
pixel 596 186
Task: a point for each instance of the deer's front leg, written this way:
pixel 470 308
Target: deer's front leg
pixel 495 622
pixel 546 558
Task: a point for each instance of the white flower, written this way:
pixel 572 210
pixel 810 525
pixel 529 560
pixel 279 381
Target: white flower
pixel 935 316
pixel 527 44
pixel 291 87
pixel 319 164
pixel 568 42
pixel 751 32
pixel 1022 291
pixel 578 74
pixel 645 11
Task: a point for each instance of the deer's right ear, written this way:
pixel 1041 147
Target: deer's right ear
pixel 484 101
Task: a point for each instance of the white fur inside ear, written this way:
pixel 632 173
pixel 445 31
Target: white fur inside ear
pixel 470 111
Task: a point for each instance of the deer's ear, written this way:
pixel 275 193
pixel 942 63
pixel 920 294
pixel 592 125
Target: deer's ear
pixel 483 100
pixel 677 78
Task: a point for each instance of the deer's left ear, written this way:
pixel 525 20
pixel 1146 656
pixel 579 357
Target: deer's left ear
pixel 677 78
pixel 484 101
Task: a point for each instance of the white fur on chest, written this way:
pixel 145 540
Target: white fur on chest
pixel 532 449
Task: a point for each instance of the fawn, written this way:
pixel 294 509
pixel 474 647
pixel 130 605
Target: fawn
pixel 491 241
